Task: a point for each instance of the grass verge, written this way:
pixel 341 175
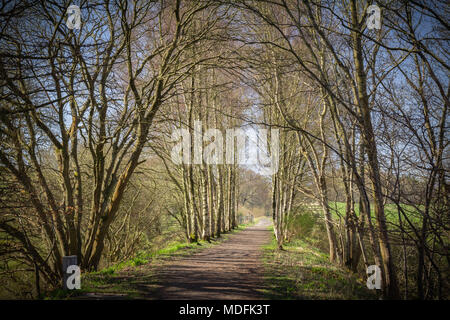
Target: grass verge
pixel 303 272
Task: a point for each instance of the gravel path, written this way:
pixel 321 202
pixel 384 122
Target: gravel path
pixel 230 270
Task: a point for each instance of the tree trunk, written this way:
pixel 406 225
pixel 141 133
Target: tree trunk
pixel 390 286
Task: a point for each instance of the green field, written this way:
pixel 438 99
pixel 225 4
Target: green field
pixel 391 212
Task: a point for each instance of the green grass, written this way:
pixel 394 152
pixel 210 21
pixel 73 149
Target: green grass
pixel 390 210
pixel 301 271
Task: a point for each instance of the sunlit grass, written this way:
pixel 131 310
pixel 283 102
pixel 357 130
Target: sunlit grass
pixel 391 212
pixel 301 271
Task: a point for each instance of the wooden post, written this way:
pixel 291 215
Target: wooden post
pixel 66 262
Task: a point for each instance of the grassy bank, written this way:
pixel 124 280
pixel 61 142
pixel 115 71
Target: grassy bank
pixel 301 271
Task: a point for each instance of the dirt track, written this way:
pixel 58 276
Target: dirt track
pixel 230 270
